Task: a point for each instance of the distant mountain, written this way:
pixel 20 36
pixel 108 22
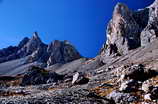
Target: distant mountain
pixel 36 50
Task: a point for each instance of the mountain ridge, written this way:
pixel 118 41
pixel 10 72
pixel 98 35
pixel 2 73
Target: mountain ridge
pixel 38 51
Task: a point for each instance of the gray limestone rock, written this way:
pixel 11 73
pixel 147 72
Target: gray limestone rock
pixel 151 30
pixel 61 52
pixel 121 98
pixel 36 76
pixel 122 32
pixel 128 30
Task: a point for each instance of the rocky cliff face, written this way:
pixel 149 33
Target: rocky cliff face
pixel 61 52
pixel 122 32
pixel 129 29
pixel 36 50
pixel 150 32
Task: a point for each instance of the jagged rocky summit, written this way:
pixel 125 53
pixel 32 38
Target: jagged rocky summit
pixel 128 30
pixel 35 50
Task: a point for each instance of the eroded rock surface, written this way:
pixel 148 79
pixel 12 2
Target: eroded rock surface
pixel 129 29
pixel 123 32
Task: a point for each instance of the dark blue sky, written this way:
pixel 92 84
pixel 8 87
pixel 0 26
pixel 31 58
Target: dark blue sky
pixel 82 22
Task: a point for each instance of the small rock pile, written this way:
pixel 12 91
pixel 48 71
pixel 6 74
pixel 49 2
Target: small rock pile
pixel 136 79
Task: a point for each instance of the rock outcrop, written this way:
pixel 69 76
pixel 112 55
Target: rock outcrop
pixel 150 32
pixel 129 29
pixel 34 44
pixel 61 52
pixel 36 76
pixel 123 32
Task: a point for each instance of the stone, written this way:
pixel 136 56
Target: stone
pixel 150 31
pixel 147 36
pixel 75 77
pixel 122 78
pixel 129 86
pixel 36 76
pixel 137 72
pixel 79 78
pixel 146 87
pixel 120 97
pixel 60 96
pixel 147 97
pixel 145 103
pixel 154 92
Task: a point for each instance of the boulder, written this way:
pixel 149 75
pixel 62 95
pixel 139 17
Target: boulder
pixel 79 78
pixel 129 86
pixel 75 77
pixel 146 87
pixel 36 76
pixel 137 72
pixel 121 98
pixel 147 97
pixel 154 92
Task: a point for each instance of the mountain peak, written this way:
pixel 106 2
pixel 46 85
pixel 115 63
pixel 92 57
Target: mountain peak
pixel 121 8
pixel 122 32
pixel 35 35
pixel 128 30
pixel 35 39
pixel 67 42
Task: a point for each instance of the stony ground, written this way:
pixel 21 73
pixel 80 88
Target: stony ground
pixel 138 84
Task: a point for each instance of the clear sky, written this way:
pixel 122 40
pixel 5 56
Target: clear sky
pixel 82 22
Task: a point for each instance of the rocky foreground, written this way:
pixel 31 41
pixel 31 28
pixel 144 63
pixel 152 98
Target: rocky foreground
pixel 125 71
